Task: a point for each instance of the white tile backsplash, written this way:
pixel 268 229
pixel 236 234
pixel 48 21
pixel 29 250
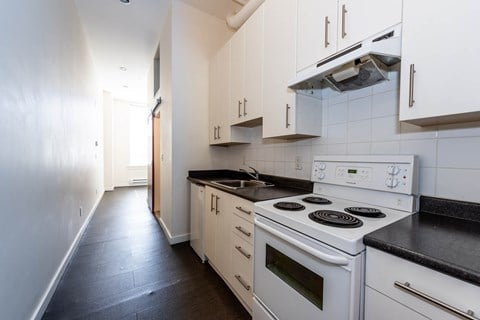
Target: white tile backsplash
pixel 366 122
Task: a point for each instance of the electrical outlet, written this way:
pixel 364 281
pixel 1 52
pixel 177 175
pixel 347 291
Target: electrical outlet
pixel 244 160
pixel 298 163
pixel 81 210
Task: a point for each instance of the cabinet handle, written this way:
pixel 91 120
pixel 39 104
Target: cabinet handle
pixel 216 205
pixel 218 132
pixel 239 108
pixel 287 124
pixel 414 292
pixel 211 202
pixel 344 12
pixel 243 210
pixel 246 286
pixel 245 106
pixel 248 234
pixel 246 255
pixel 215 133
pixel 326 32
pixel 411 101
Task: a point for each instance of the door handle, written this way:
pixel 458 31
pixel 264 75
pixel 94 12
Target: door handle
pixel 287 124
pixel 411 99
pixel 344 13
pixel 243 210
pixel 242 282
pixel 245 254
pixel 326 32
pixel 416 293
pixel 248 234
pixel 211 202
pixel 336 260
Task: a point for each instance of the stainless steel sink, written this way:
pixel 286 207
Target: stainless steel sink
pixel 241 184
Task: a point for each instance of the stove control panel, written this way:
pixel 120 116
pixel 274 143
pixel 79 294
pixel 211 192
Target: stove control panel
pixel 385 173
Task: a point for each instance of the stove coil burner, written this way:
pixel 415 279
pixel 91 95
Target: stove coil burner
pixel 289 206
pixel 335 219
pixel 316 200
pixel 365 212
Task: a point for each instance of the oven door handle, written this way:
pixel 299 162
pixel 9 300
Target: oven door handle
pixel 341 261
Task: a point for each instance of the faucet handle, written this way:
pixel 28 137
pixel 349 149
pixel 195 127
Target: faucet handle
pixel 254 170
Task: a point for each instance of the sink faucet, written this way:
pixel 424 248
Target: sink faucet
pixel 254 174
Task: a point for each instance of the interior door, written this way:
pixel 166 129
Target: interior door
pixel 156 165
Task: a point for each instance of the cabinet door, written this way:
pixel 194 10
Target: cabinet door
pixel 213 101
pixel 358 20
pixel 237 75
pixel 317 31
pixel 222 92
pixel 222 235
pixel 252 104
pixel 279 68
pixel 439 43
pixel 210 224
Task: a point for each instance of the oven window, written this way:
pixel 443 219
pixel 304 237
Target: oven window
pixel 304 281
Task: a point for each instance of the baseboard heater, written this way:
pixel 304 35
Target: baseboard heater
pixel 136 182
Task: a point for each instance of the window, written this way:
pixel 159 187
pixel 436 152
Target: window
pixel 139 132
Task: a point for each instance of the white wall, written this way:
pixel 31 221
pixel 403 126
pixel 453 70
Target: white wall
pixel 108 140
pixel 188 41
pixel 51 116
pixel 123 171
pixel 366 122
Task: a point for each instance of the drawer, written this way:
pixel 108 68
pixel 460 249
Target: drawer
pixel 243 208
pixel 383 270
pixel 242 258
pixel 242 228
pixel 242 283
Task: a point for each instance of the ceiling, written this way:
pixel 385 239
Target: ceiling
pixel 123 35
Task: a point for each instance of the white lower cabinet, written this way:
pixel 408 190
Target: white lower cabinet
pixel 229 241
pixel 393 286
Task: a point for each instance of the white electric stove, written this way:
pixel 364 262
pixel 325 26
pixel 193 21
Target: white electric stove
pixel 309 251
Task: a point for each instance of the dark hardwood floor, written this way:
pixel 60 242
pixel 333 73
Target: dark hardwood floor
pixel 125 269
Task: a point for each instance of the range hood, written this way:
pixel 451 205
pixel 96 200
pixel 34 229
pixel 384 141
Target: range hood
pixel 361 65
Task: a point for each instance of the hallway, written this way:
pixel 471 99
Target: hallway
pixel 124 268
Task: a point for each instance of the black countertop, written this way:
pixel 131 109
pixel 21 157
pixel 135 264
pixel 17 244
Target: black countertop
pixel 283 187
pixel 444 236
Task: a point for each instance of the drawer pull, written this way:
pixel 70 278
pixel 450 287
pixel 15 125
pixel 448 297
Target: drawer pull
pixel 414 292
pixel 248 234
pixel 242 282
pixel 246 255
pixel 243 210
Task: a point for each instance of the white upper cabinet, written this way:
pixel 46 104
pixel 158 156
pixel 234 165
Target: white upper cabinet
pixel 284 116
pixel 317 31
pixel 247 71
pixel 357 20
pixel 440 49
pixel 326 27
pixel 220 131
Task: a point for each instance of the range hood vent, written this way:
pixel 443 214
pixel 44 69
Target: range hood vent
pixel 362 65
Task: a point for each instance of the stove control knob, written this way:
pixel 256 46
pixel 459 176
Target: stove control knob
pixel 392 182
pixel 322 166
pixel 321 175
pixel 393 170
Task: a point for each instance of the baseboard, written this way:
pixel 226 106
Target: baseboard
pixel 173 239
pixel 47 296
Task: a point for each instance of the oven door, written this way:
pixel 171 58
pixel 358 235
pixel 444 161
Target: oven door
pixel 296 277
